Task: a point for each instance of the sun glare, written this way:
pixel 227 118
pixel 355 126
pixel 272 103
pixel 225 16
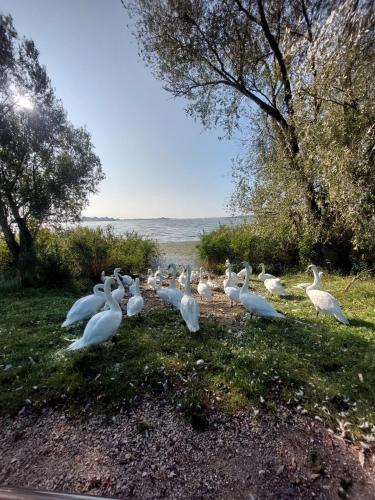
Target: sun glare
pixel 25 102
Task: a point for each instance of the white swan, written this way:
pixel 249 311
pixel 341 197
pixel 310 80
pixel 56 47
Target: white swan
pixel 274 286
pixel 323 301
pixel 212 284
pixel 231 278
pixel 233 292
pixel 189 308
pixel 103 325
pixel 85 307
pixel 151 280
pixel 127 280
pixel 174 294
pixel 256 304
pixel 162 292
pixel 265 276
pixel 119 293
pixel 303 286
pixel 203 289
pixel 182 278
pixel 136 303
pixel 195 276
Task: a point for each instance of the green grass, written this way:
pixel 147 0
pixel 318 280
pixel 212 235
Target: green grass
pixel 304 364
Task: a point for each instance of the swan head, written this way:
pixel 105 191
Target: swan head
pixel 311 268
pixel 246 265
pixel 227 262
pixel 149 272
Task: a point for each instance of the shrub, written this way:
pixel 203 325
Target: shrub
pixel 250 242
pixel 79 255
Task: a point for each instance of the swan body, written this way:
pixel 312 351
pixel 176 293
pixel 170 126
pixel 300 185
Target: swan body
pixel 233 292
pixel 135 303
pixel 162 292
pixel 265 276
pixel 303 286
pixel 182 279
pixel 174 295
pixel 151 280
pixel 274 286
pixel 212 284
pixel 231 278
pixel 254 303
pixel 324 302
pixel 203 289
pixel 85 307
pixel 189 308
pixel 127 280
pixel 103 325
pixel 242 274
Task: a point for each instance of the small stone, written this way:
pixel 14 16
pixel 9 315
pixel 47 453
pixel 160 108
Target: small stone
pixel 200 362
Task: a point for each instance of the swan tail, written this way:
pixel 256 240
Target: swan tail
pixel 77 344
pixel 67 322
pixel 343 319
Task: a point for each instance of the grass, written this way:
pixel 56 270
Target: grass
pixel 306 364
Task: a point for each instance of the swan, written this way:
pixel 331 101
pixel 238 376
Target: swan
pixel 189 308
pixel 103 325
pixel 254 303
pixel 136 303
pixel 85 307
pixel 127 280
pixel 174 294
pixel 233 292
pixel 274 286
pixel 303 286
pixel 151 280
pixel 242 274
pixel 162 292
pixel 203 289
pixel 212 284
pixel 265 276
pixel 119 293
pixel 231 278
pixel 195 276
pixel 182 278
pixel 323 301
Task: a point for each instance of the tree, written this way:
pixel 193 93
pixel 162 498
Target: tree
pixel 48 167
pixel 258 65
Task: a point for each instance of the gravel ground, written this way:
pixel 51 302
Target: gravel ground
pixel 150 451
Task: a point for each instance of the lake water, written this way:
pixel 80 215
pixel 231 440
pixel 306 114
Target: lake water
pixel 168 230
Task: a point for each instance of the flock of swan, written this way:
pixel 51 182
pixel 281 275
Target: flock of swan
pixel 102 307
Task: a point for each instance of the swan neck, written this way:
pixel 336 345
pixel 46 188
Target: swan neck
pixel 98 289
pixel 119 281
pixel 114 306
pixel 188 285
pixel 245 286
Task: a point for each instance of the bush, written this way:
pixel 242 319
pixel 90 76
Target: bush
pixel 79 255
pixel 250 242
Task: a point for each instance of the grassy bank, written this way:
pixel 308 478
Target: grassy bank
pixel 305 364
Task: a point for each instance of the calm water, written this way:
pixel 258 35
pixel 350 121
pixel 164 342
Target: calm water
pixel 168 230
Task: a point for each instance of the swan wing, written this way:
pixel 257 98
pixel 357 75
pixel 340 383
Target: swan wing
pixel 259 306
pixel 190 312
pixel 84 308
pixel 175 297
pixel 327 304
pixel 100 328
pixel 135 305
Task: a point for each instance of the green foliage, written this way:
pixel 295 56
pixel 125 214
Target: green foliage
pixel 254 243
pixel 304 363
pixel 48 167
pixel 79 255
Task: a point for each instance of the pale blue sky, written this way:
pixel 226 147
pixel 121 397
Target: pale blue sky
pixel 158 161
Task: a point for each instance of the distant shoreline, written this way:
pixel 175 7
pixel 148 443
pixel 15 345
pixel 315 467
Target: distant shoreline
pixel 112 219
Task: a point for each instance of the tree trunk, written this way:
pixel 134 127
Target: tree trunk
pixel 9 236
pixel 27 262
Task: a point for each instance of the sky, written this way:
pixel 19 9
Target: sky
pixel 158 161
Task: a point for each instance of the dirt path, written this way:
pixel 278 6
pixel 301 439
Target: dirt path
pixel 151 452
